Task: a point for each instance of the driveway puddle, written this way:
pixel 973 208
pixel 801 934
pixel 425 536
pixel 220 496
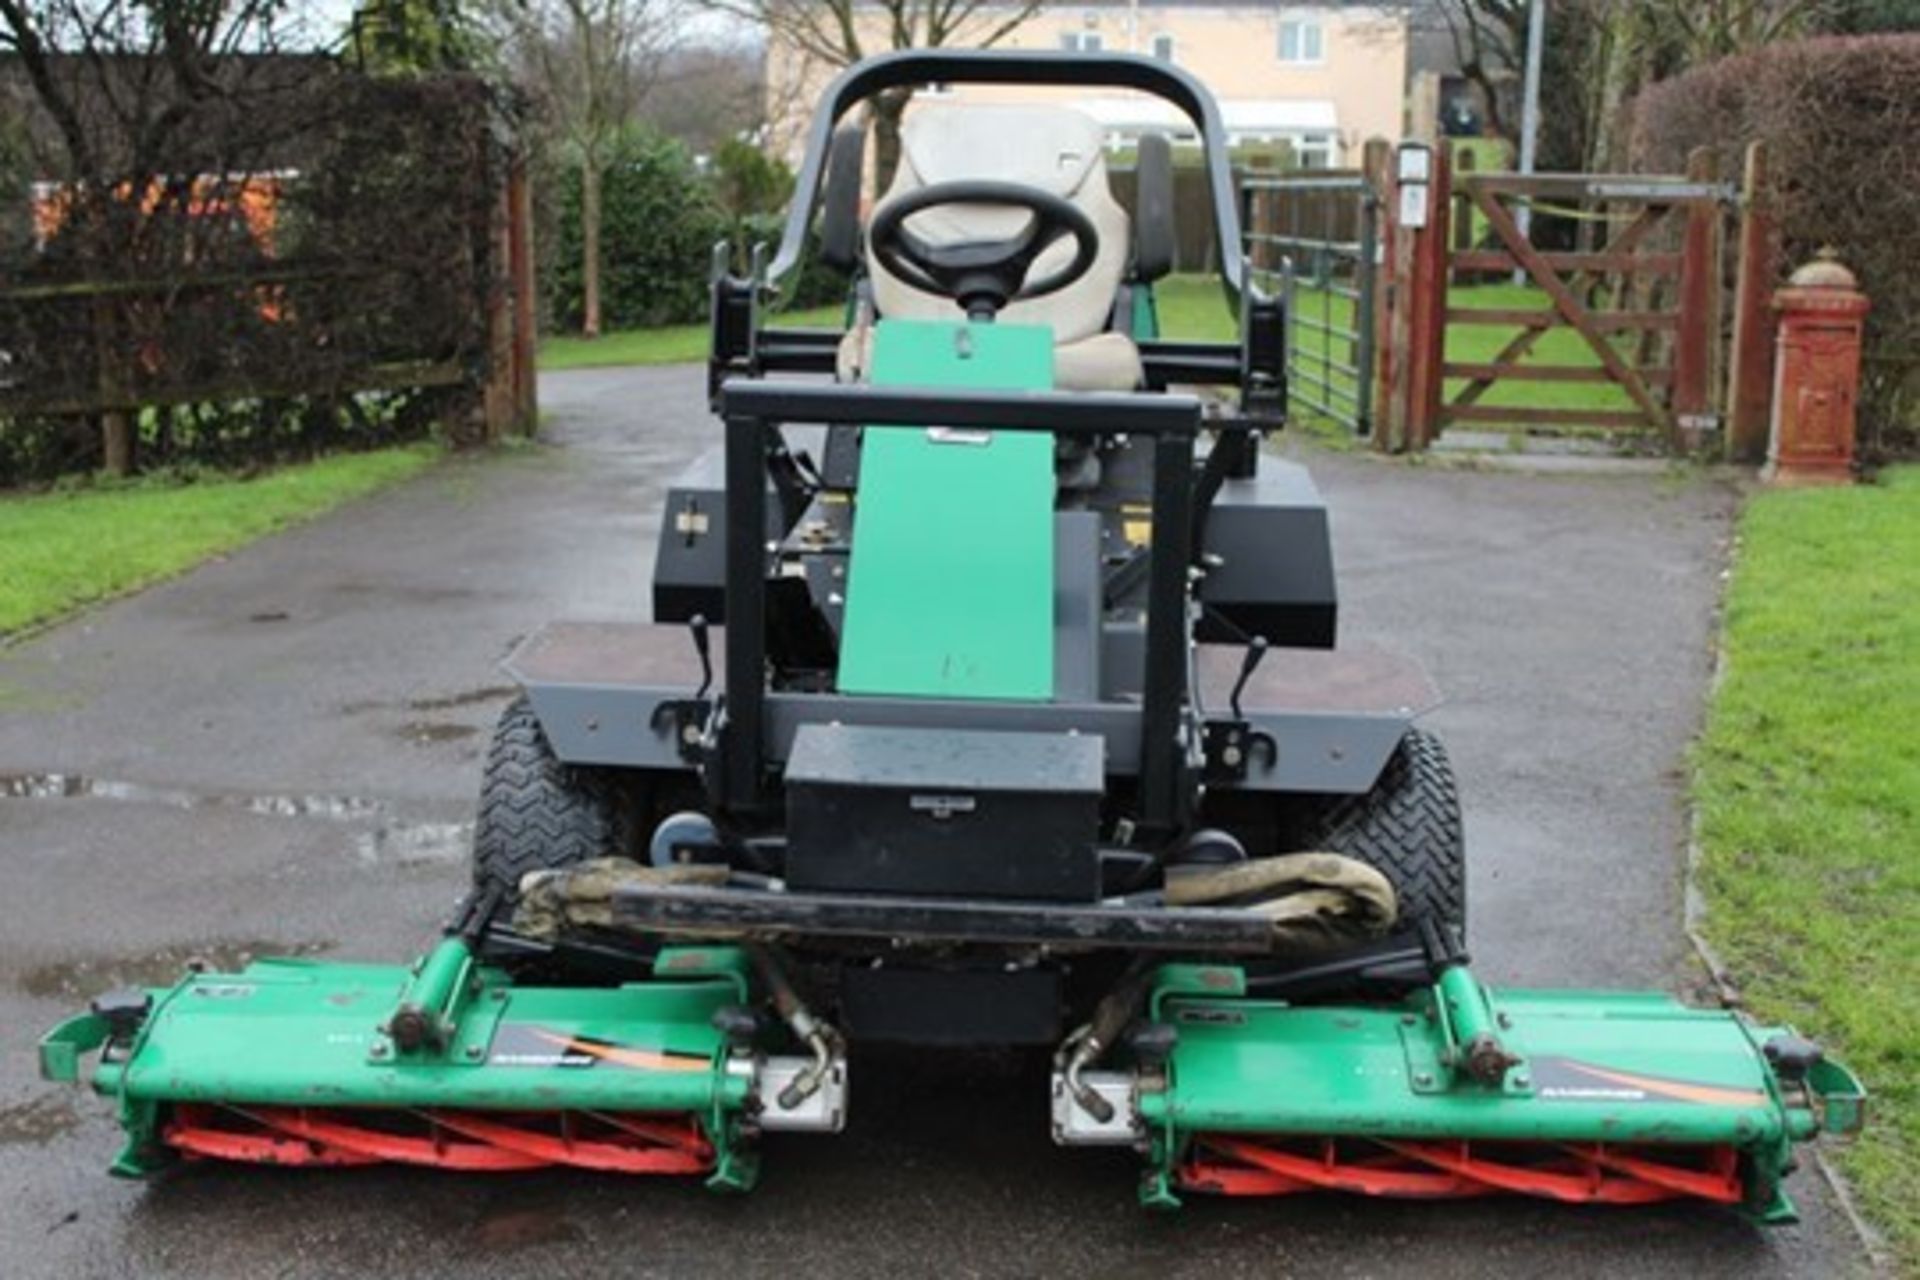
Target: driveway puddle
pixel 416 843
pixel 391 840
pixel 426 731
pixel 37 1121
pixel 441 702
pixel 76 786
pixel 87 976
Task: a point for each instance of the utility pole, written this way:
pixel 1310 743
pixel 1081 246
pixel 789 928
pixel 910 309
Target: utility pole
pixel 1530 114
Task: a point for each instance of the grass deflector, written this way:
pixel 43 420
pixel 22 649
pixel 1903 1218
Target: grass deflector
pixel 991 699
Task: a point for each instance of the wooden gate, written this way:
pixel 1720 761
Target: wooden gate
pixel 1615 336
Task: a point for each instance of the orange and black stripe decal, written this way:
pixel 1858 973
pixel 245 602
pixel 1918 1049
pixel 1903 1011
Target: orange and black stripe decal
pixel 623 1056
pixel 1566 1078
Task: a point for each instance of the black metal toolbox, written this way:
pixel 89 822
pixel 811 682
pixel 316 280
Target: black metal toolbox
pixel 940 811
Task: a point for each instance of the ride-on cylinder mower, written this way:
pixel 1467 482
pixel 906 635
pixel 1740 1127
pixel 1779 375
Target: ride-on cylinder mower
pixel 991 699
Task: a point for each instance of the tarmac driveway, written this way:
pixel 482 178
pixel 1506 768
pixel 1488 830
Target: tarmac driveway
pixel 278 752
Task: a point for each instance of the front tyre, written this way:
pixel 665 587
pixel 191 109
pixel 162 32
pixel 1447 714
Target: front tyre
pixel 538 814
pixel 1407 826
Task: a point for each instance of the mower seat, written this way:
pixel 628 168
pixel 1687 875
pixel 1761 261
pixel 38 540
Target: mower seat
pixel 1056 149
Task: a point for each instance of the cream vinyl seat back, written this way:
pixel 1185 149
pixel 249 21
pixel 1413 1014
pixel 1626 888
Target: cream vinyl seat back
pixel 1055 149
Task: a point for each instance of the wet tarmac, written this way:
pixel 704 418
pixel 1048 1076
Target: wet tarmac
pixel 278 753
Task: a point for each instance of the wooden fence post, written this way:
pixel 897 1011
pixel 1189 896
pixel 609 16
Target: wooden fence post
pixel 526 318
pixel 1699 305
pixel 1376 165
pixel 1750 360
pixel 1262 215
pixel 118 434
pixel 497 395
pixel 1390 403
pixel 1427 331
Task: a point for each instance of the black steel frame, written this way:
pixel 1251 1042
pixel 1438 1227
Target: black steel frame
pixel 909 67
pixel 1256 364
pixel 650 908
pixel 753 411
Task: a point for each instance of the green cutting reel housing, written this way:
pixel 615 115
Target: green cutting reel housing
pixel 991 699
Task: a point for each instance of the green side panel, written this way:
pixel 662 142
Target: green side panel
pixel 950 589
pixel 1145 321
pixel 1595 1067
pixel 302 1033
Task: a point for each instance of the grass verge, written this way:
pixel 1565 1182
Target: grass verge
pixel 67 550
pixel 1807 782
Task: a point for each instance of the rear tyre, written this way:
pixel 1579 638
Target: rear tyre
pixel 1408 827
pixel 538 814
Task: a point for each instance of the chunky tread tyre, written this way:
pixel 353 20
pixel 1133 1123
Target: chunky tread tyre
pixel 537 814
pixel 1408 827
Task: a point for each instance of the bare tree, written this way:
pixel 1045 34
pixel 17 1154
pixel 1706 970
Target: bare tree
pixel 839 33
pixel 593 62
pixel 1601 52
pixel 708 94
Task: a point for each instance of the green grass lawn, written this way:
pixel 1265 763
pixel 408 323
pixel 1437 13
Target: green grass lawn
pixel 67 550
pixel 670 344
pixel 1193 307
pixel 1808 786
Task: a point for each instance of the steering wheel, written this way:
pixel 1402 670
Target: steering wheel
pixel 983 275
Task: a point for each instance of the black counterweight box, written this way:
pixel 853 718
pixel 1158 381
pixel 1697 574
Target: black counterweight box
pixel 945 812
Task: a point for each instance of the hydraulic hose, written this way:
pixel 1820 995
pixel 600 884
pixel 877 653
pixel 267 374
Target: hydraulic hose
pixel 1089 1043
pixel 1317 901
pixel 817 1035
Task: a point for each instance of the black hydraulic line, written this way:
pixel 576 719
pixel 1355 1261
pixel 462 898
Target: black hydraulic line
pixel 1390 965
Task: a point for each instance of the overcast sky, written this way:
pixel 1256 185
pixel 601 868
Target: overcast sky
pixel 327 20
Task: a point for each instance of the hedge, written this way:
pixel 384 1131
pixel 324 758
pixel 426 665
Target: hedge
pixel 659 224
pixel 1841 118
pixel 660 218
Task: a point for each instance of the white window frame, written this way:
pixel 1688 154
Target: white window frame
pixel 1311 31
pixel 1314 150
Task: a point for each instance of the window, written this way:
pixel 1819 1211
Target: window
pixel 1080 41
pixel 1312 150
pixel 1163 48
pixel 1301 40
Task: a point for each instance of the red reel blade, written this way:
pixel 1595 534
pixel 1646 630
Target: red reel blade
pixel 465 1141
pixel 1252 1165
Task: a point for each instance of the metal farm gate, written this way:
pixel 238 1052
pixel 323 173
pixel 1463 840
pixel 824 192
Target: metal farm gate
pixel 1314 239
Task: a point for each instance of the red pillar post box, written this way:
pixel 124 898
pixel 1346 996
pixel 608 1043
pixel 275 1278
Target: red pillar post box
pixel 1816 375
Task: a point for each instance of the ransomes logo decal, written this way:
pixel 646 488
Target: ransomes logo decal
pixel 1573 1081
pixel 519 1044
